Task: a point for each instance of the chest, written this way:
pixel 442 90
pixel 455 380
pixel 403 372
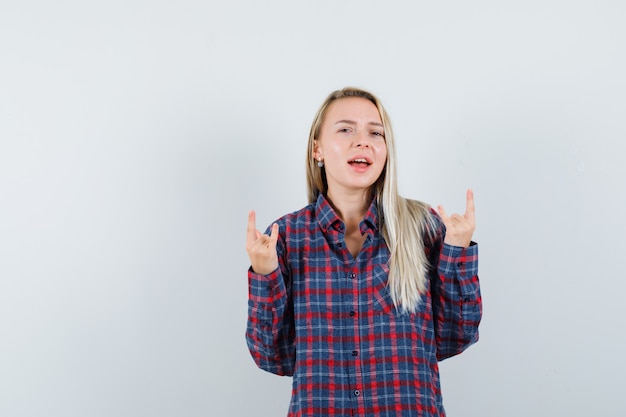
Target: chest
pixel 337 271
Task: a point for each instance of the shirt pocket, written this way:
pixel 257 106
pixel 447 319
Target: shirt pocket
pixel 383 303
pixel 381 298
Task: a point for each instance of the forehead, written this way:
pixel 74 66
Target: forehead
pixel 357 109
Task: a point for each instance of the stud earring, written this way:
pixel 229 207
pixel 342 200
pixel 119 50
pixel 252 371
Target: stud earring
pixel 320 163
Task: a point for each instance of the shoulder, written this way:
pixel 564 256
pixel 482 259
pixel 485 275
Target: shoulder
pixel 422 211
pixel 427 220
pixel 294 227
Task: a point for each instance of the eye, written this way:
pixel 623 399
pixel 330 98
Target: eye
pixel 344 130
pixel 378 133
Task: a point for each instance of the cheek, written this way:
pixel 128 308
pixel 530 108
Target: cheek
pixel 336 151
pixel 382 153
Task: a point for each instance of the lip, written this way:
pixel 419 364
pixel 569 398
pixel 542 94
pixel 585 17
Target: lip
pixel 360 168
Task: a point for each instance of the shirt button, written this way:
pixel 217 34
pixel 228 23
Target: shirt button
pixel 352 275
pixel 357 392
pixel 460 264
pixel 339 244
pixel 352 314
pixel 354 353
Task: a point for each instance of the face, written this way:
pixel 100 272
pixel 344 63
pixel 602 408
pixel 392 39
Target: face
pixel 352 145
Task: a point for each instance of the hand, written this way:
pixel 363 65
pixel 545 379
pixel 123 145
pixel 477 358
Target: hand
pixel 261 248
pixel 459 229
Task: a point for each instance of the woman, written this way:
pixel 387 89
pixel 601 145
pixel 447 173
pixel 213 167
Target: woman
pixel 361 292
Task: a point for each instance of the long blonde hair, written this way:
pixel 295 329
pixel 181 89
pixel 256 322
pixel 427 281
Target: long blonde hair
pixel 404 223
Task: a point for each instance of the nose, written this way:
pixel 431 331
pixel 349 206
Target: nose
pixel 362 141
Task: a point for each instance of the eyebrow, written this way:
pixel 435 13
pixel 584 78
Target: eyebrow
pixel 351 122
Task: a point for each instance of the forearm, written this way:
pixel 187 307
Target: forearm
pixel 457 303
pixel 269 332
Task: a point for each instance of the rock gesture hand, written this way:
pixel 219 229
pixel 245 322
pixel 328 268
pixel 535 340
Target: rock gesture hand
pixel 459 228
pixel 261 248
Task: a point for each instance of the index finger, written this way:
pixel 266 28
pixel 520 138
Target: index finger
pixel 251 231
pixel 470 209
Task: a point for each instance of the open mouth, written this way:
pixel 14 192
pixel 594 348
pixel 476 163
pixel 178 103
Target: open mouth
pixel 361 162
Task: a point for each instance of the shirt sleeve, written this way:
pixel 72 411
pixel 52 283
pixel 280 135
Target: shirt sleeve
pixel 270 329
pixel 457 303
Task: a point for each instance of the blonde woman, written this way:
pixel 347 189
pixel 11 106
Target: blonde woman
pixel 359 294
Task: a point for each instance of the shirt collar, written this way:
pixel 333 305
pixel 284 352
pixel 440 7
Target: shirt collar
pixel 370 221
pixel 328 218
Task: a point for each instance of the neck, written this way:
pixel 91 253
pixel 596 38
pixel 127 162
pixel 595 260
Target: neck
pixel 351 207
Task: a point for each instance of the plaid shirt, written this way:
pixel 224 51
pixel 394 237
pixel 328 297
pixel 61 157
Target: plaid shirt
pixel 328 319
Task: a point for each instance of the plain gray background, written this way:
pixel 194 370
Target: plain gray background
pixel 136 135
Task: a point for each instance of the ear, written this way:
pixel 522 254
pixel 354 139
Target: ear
pixel 317 150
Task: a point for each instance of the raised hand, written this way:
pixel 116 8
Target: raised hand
pixel 459 228
pixel 261 248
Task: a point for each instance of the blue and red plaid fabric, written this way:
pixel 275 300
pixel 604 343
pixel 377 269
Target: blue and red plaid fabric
pixel 328 320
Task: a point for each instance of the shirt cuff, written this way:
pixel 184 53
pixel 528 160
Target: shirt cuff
pixel 459 261
pixel 265 287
